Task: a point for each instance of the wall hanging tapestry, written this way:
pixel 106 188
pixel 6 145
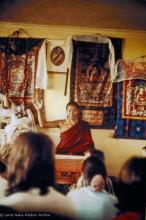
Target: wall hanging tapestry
pixel 130 69
pixel 92 72
pixel 131 104
pixel 21 67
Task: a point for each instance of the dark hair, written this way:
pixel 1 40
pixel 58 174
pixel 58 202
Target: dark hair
pixel 31 163
pixel 72 103
pixel 144 148
pixel 131 190
pixel 93 166
pixel 97 153
pixel 2 167
pixel 133 170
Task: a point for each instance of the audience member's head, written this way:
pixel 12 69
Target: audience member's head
pixel 95 152
pixel 133 170
pixel 143 151
pixel 131 194
pixel 31 163
pixel 93 166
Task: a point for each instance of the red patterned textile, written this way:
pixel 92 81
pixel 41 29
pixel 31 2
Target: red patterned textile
pixel 76 140
pixel 134 99
pixel 131 123
pixel 92 72
pixel 131 105
pixel 18 64
pixel 130 69
pixel 93 86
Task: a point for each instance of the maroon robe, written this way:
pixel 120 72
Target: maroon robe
pixel 76 140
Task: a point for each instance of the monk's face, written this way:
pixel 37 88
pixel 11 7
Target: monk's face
pixel 72 112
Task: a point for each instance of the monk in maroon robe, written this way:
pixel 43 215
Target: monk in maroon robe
pixel 76 140
pixel 75 133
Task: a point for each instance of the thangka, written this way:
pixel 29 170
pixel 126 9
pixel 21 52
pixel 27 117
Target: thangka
pixel 19 67
pixel 134 99
pixel 130 69
pixel 131 113
pixel 91 79
pixel 131 104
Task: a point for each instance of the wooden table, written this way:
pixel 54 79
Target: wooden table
pixel 68 168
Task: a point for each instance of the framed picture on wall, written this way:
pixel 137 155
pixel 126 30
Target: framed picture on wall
pixel 57 56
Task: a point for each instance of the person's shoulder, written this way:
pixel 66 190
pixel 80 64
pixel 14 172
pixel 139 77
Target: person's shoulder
pixel 109 197
pixel 13 199
pixel 80 182
pixel 84 122
pixel 73 193
pixel 57 196
pixel 78 191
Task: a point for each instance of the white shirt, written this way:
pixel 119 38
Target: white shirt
pixel 93 205
pixel 53 202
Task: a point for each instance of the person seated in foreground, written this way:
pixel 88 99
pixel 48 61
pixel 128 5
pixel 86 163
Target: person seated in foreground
pixel 108 181
pixel 131 191
pixel 91 152
pixel 75 137
pixel 92 201
pixel 31 177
